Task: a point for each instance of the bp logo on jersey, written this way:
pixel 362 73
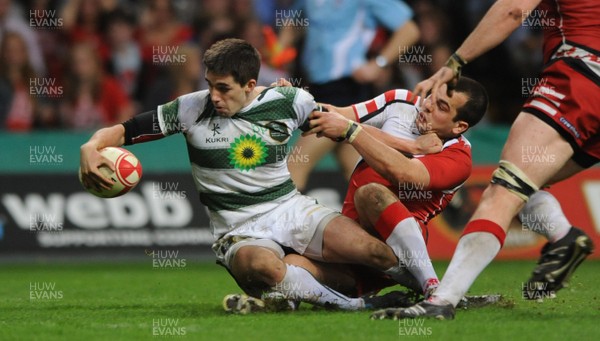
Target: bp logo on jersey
pixel 247 152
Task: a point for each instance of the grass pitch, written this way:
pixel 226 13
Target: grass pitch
pixel 135 301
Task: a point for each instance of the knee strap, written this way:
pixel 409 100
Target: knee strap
pixel 512 178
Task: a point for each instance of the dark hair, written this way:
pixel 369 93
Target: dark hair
pixel 477 101
pixel 234 57
pixel 74 82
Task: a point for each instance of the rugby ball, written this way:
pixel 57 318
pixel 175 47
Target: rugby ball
pixel 127 174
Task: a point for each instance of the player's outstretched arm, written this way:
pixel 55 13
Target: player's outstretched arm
pixel 423 145
pixel 347 111
pixel 497 24
pixel 91 159
pixel 394 166
pixel 385 160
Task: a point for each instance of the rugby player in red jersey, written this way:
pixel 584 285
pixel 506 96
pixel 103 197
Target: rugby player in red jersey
pixel 392 195
pixel 560 119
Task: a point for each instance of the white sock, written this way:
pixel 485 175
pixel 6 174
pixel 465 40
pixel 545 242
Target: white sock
pixel 407 243
pixel 473 253
pixel 299 285
pixel 542 214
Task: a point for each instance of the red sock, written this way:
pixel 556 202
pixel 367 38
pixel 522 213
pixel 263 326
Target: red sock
pixel 484 225
pixel 390 217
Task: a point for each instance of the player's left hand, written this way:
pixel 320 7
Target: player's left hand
pixel 90 162
pixel 444 75
pixel 329 124
pixel 367 73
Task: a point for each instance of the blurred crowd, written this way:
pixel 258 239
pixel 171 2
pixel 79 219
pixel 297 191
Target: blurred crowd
pixel 84 64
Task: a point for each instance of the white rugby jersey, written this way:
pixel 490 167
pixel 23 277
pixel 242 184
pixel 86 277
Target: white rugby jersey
pixel 394 112
pixel 239 163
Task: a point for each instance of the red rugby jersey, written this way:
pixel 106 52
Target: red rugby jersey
pixel 394 113
pixel 574 22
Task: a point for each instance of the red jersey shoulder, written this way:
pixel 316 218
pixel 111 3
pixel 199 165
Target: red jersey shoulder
pixel 450 167
pixel 460 142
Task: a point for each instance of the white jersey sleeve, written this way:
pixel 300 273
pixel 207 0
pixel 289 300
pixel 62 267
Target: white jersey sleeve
pixel 304 104
pixel 398 105
pixel 180 114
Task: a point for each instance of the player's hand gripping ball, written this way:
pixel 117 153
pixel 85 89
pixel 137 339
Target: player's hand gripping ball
pixel 127 174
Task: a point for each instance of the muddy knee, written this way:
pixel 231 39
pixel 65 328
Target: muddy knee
pixel 258 264
pixel 372 199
